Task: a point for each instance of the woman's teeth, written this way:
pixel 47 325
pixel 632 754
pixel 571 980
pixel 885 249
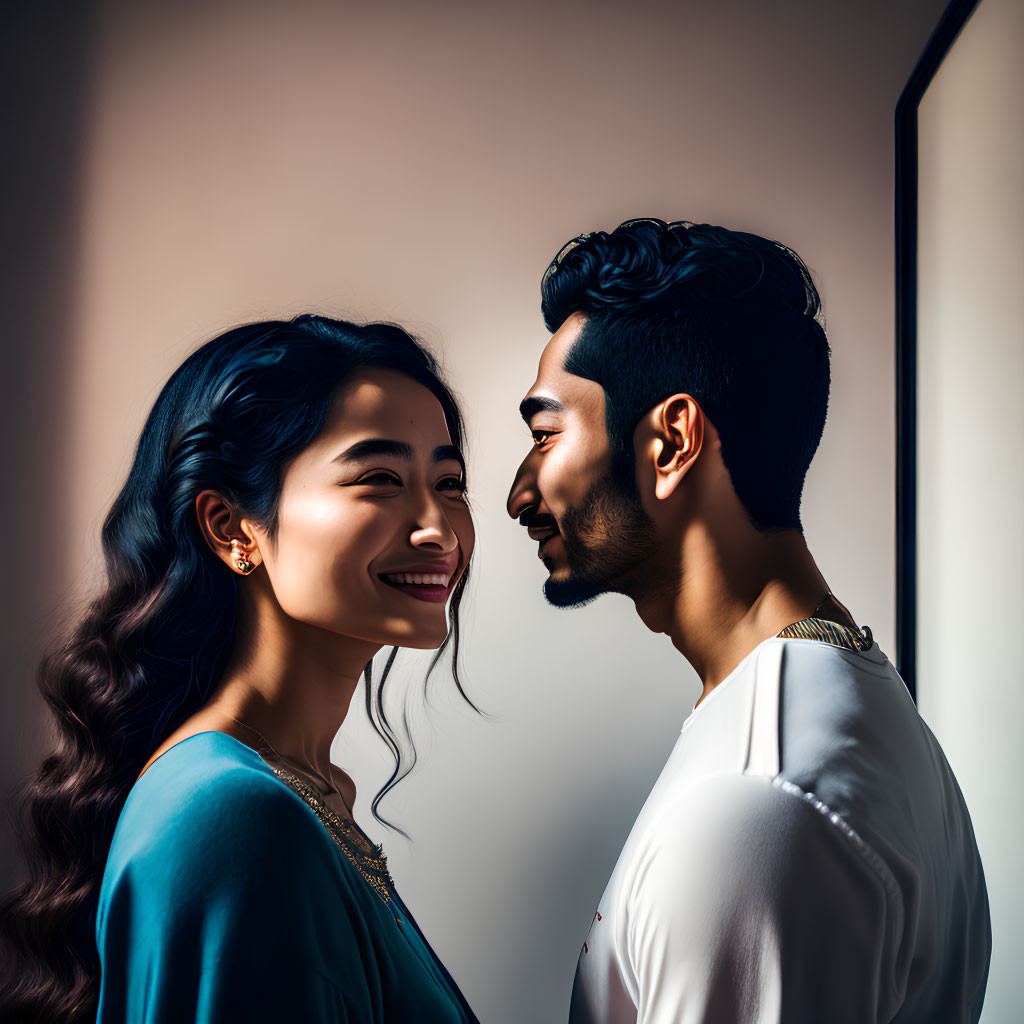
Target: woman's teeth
pixel 431 579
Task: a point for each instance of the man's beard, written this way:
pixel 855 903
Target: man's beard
pixel 606 537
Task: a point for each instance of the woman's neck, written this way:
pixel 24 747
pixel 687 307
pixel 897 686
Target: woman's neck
pixel 290 684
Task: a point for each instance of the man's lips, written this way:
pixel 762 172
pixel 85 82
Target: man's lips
pixel 542 528
pixel 541 532
pixel 544 539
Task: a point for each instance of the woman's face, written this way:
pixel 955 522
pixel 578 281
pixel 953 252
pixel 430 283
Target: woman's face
pixel 373 528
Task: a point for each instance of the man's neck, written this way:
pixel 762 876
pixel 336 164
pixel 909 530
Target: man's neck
pixel 726 594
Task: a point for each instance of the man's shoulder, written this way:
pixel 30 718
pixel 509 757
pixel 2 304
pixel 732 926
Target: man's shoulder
pixel 742 848
pixel 850 734
pixel 739 820
pixel 751 886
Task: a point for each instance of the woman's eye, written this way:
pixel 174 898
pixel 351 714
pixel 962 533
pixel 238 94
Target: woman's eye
pixel 541 436
pixel 381 478
pixel 452 483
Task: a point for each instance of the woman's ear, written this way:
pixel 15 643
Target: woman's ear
pixel 229 536
pixel 674 435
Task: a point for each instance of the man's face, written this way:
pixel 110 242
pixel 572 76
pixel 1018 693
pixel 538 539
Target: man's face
pixel 592 531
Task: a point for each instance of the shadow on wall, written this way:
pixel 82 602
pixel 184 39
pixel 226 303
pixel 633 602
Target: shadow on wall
pixel 45 57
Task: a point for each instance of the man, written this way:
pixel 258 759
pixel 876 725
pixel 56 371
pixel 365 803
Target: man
pixel 806 854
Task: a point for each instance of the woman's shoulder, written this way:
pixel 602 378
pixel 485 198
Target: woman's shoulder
pixel 209 801
pixel 206 768
pixel 223 889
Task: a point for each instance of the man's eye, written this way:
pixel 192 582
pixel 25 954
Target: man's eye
pixel 541 436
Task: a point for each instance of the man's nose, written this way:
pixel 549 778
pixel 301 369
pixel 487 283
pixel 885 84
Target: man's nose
pixel 524 490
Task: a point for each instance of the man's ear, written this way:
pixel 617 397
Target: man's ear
pixel 673 436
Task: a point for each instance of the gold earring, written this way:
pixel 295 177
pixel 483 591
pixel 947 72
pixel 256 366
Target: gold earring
pixel 241 558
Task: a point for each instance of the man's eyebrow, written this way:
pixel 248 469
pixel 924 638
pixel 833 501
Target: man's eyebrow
pixel 374 446
pixel 529 407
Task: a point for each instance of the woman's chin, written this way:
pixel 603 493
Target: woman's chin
pixel 422 642
pixel 415 635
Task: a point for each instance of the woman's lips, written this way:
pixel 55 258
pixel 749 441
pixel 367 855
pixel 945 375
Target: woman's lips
pixel 434 593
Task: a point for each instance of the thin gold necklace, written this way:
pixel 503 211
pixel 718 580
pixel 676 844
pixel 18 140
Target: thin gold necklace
pixel 366 857
pixel 331 785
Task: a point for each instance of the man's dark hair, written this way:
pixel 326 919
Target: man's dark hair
pixel 725 316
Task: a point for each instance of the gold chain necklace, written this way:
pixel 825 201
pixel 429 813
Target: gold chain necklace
pixel 366 857
pixel 331 785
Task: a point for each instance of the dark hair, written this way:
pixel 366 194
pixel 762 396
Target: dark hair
pixel 155 642
pixel 725 316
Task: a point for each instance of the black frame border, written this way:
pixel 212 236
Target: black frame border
pixel 950 24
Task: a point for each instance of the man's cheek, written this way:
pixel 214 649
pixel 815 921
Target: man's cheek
pixel 559 483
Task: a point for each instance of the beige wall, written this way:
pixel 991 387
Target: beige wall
pixel 45 66
pixel 423 163
pixel 971 450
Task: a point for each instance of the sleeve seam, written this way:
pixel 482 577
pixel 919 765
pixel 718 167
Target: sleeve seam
pixel 864 850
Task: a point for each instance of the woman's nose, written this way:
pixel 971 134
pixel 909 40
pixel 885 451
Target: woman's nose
pixel 433 527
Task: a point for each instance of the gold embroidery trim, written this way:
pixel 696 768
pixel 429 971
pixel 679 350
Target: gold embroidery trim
pixel 829 633
pixel 369 860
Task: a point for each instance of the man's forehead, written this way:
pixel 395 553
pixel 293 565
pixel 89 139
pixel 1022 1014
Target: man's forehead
pixel 556 390
pixel 552 359
pixel 551 368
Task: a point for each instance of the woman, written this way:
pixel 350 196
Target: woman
pixel 296 502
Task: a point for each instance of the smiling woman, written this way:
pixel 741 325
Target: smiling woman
pixel 297 501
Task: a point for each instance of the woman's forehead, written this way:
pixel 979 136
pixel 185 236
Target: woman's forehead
pixel 385 403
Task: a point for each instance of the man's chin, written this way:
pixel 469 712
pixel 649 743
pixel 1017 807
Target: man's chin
pixel 571 592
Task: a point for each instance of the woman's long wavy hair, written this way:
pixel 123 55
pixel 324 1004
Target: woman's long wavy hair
pixel 152 647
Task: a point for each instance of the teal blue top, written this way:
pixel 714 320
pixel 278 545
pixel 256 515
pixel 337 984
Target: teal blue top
pixel 226 897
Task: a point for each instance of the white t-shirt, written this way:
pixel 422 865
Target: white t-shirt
pixel 805 856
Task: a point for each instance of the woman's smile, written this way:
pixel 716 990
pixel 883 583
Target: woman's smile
pixel 426 582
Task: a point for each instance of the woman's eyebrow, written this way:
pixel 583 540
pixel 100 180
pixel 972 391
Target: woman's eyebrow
pixel 449 451
pixel 374 446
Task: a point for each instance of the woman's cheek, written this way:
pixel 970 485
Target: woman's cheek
pixel 467 538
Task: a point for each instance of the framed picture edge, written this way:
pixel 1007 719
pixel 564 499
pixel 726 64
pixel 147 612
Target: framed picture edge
pixel 950 24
